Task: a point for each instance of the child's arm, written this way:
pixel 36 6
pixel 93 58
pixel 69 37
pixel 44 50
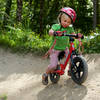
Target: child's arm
pixel 54 33
pixel 51 32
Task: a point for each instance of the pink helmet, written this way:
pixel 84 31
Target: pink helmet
pixel 70 12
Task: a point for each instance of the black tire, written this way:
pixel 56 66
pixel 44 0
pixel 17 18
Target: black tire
pixel 54 77
pixel 79 70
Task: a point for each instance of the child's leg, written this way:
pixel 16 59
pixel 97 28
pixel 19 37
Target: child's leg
pixel 53 61
pixel 53 64
pixel 67 52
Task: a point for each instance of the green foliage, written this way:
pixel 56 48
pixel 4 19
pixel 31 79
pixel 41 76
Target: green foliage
pixel 24 36
pixel 24 40
pixel 31 13
pixel 92 43
pixel 2 4
pixel 3 97
pixel 84 20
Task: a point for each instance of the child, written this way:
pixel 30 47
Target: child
pixel 59 43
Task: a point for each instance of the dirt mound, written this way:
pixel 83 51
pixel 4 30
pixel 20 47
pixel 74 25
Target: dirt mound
pixel 20 79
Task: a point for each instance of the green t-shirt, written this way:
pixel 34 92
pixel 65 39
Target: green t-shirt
pixel 61 41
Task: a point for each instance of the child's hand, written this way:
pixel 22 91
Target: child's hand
pixel 80 35
pixel 59 33
pixel 51 32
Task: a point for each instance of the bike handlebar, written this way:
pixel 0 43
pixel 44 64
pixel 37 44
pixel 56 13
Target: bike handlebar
pixel 72 35
pixel 69 35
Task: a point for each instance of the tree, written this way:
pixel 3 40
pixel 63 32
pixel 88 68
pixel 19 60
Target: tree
pixel 7 11
pixel 34 21
pixel 41 15
pixel 84 16
pixel 98 14
pixel 94 14
pixel 54 11
pixel 19 10
pixel 37 14
pixel 30 2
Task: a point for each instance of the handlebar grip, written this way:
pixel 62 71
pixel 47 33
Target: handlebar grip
pixel 55 33
pixel 78 37
pixel 82 37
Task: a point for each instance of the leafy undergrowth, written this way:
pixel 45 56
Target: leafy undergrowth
pixel 92 45
pixel 20 40
pixel 3 97
pixel 23 40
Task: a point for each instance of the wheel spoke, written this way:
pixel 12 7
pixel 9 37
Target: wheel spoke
pixel 77 70
pixel 79 75
pixel 74 67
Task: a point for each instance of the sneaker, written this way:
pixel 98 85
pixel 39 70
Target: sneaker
pixel 45 79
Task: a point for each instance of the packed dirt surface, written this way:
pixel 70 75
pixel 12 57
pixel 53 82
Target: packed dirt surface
pixel 20 79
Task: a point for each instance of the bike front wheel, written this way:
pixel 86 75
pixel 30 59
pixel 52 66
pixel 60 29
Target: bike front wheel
pixel 79 70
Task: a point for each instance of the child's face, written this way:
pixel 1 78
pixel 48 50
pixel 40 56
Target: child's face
pixel 65 20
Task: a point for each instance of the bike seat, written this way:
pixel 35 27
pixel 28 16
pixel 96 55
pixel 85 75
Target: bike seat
pixel 61 55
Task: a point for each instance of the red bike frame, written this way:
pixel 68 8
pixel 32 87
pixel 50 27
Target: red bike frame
pixel 63 66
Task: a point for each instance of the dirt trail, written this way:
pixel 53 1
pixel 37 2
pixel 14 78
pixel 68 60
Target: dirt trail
pixel 20 79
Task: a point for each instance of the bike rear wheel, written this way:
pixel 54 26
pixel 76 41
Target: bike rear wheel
pixel 54 77
pixel 79 70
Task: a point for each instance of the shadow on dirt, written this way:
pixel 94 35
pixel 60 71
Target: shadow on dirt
pixel 68 91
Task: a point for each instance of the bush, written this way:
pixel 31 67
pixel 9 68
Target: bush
pixel 3 97
pixel 24 40
pixel 92 43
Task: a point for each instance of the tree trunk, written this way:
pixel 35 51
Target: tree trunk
pixel 98 14
pixel 71 3
pixel 41 15
pixel 94 14
pixel 30 2
pixel 19 10
pixel 7 11
pixel 34 22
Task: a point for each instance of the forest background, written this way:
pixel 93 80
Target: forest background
pixel 24 24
